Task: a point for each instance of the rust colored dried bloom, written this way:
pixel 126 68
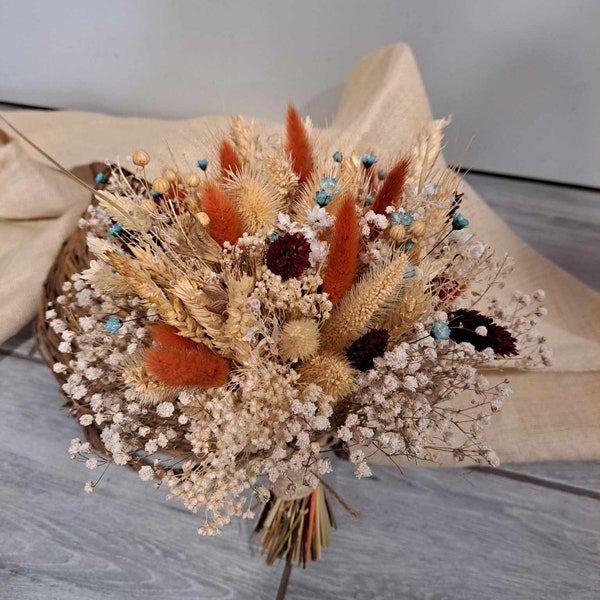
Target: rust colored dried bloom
pixel 368 347
pixel 166 335
pixel 391 189
pixel 230 161
pixel 225 224
pixel 288 255
pixel 463 324
pixel 297 145
pixel 198 368
pixel 343 254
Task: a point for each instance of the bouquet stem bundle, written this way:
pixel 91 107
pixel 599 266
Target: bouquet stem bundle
pixel 295 530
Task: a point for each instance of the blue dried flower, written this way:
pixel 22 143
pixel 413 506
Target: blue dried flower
pixel 202 164
pixel 322 198
pixel 459 222
pixel 368 160
pixel 101 178
pixel 408 245
pixel 113 324
pixel 337 156
pixel 329 185
pixel 440 331
pixel 410 271
pixel 381 174
pixel 115 230
pixel 401 218
pixel 369 199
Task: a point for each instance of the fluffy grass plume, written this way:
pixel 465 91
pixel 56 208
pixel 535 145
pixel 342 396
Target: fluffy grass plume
pixel 297 145
pixel 257 201
pixel 198 366
pixel 369 300
pixel 228 158
pixel 225 224
pixel 332 372
pixel 168 336
pixel 342 262
pixel 299 339
pixel 391 189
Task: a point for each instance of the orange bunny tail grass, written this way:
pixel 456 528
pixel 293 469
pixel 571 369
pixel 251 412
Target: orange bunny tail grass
pixel 391 189
pixel 230 161
pixel 297 145
pixel 225 224
pixel 166 335
pixel 342 263
pixel 199 367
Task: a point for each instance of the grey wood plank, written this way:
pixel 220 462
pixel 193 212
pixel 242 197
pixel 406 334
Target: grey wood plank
pixel 582 475
pixel 562 223
pixel 426 533
pixel 22 344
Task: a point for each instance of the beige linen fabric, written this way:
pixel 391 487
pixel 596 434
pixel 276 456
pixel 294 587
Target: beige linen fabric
pixel 554 413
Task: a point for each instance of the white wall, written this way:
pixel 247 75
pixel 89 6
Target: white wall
pixel 523 77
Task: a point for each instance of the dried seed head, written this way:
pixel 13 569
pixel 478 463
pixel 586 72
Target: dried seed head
pixel 140 158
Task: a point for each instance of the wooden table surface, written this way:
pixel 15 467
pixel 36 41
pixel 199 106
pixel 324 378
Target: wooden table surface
pixel 518 532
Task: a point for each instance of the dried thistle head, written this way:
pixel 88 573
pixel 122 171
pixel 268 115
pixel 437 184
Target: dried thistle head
pixel 332 372
pixel 255 198
pixel 299 339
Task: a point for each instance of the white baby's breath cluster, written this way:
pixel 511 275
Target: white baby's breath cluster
pixel 234 327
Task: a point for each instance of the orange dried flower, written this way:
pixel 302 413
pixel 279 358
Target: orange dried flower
pixel 342 263
pixel 391 188
pixel 225 224
pixel 230 161
pixel 297 145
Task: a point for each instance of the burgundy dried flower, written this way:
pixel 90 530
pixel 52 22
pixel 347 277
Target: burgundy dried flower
pixel 288 255
pixel 371 345
pixel 463 324
pixel 456 202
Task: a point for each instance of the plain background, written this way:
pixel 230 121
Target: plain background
pixel 521 78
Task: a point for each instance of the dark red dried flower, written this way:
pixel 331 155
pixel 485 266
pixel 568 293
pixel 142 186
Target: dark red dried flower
pixel 456 202
pixel 463 324
pixel 288 255
pixel 368 347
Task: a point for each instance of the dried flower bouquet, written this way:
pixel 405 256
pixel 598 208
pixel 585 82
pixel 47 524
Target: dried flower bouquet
pixel 242 319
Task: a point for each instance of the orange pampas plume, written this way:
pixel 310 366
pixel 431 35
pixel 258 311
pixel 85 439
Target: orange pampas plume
pixel 229 159
pixel 180 361
pixel 297 145
pixel 391 189
pixel 166 335
pixel 192 368
pixel 342 263
pixel 225 224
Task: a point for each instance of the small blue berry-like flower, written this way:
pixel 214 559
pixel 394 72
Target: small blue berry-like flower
pixel 402 218
pixel 115 230
pixel 459 222
pixel 202 164
pixel 322 198
pixel 440 331
pixel 368 160
pixel 274 236
pixel 337 156
pixel 381 174
pixel 154 194
pixel 410 271
pixel 113 271
pixel 329 185
pixel 101 178
pixel 113 324
pixel 369 199
pixel 408 245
